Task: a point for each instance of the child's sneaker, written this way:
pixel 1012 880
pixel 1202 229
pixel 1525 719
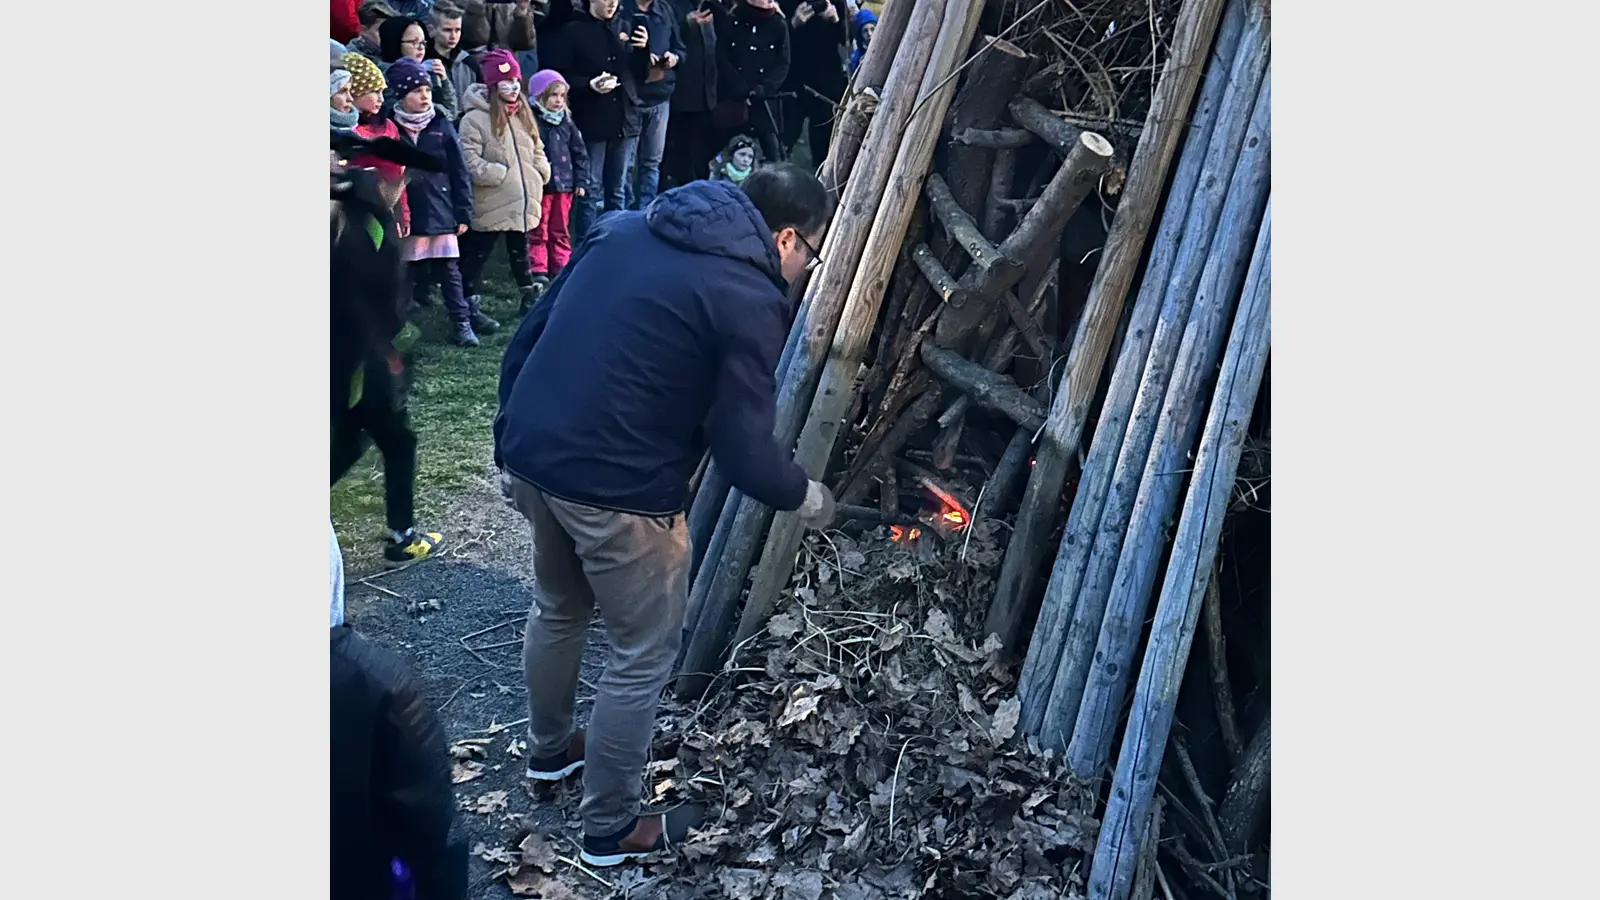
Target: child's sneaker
pixel 465 336
pixel 559 766
pixel 646 835
pixel 411 546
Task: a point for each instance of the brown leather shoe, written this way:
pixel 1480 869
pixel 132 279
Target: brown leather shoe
pixel 645 836
pixel 559 766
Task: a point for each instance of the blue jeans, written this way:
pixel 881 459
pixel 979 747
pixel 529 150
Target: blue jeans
pixel 606 190
pixel 651 144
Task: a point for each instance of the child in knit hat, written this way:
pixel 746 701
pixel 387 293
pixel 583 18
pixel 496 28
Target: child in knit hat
pixel 440 202
pixel 737 160
pixel 509 170
pixel 366 88
pixel 550 244
pixel 342 112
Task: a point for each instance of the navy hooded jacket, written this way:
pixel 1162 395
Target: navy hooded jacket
pixel 662 332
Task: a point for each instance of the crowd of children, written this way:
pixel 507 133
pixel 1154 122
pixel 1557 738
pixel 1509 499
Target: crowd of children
pixel 634 96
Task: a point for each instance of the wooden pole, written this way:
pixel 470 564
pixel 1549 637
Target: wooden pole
pixel 855 114
pixel 866 292
pixel 1164 127
pixel 988 389
pixel 1182 413
pixel 1072 555
pixel 993 77
pixel 1194 544
pixel 711 608
pixel 1247 795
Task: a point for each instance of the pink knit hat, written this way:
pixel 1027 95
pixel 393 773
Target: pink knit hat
pixel 541 81
pixel 500 65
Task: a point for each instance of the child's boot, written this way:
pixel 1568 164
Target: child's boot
pixel 411 546
pixel 480 322
pixel 465 336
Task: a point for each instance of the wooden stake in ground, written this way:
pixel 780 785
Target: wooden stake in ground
pixel 1164 127
pixel 1194 544
pixel 1182 413
pixel 711 606
pixel 1186 225
pixel 866 292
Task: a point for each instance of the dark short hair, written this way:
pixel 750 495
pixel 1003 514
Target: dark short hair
pixel 788 196
pixel 444 9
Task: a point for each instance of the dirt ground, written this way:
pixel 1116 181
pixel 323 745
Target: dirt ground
pixel 469 654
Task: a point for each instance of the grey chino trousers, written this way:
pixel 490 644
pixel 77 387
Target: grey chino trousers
pixel 636 570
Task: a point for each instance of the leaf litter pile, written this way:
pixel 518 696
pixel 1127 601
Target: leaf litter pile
pixel 858 748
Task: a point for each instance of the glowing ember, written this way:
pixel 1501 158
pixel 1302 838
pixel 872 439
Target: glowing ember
pixel 951 513
pixel 900 535
pixel 955 517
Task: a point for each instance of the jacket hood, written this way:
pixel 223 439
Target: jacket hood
pixel 716 218
pixel 863 18
pixel 476 97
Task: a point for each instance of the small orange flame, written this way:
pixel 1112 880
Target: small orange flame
pixel 951 511
pixel 901 535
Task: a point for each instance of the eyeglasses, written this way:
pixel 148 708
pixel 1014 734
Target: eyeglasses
pixel 815 256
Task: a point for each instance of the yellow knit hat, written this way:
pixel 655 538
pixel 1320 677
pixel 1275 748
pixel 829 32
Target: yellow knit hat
pixel 364 75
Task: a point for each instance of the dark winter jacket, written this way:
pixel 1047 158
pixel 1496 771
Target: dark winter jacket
pixel 584 48
pixel 816 51
pixel 663 331
pixel 696 90
pixel 439 201
pixel 569 159
pixel 365 307
pixel 389 779
pixel 661 23
pixel 753 53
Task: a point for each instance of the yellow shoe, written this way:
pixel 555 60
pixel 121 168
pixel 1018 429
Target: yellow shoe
pixel 417 545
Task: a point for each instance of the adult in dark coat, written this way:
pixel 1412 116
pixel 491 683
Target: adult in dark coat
pixel 691 132
pixel 664 331
pixel 591 43
pixel 752 63
pixel 816 72
pixel 667 51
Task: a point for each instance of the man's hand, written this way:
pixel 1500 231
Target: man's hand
pixel 803 14
pixel 640 39
pixel 700 17
pixel 670 59
pixel 830 13
pixel 819 508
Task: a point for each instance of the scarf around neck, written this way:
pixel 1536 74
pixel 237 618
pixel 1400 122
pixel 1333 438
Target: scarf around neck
pixel 344 120
pixel 553 118
pixel 736 174
pixel 414 122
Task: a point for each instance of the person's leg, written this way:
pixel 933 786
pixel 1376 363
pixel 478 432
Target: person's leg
pixel 638 571
pixel 349 439
pixel 517 256
pixel 389 423
pixel 765 127
pixel 538 252
pixel 552 641
pixel 616 157
pixel 652 146
pixel 475 249
pixel 448 274
pixel 419 275
pixel 560 248
pixel 820 114
pixel 674 152
pixel 793 119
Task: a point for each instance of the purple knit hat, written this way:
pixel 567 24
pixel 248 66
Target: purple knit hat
pixel 406 75
pixel 541 81
pixel 498 66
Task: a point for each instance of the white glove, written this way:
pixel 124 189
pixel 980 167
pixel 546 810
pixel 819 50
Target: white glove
pixel 819 507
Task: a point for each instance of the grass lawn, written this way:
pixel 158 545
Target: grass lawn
pixel 453 402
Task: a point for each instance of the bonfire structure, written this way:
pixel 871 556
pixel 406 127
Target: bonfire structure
pixel 1031 363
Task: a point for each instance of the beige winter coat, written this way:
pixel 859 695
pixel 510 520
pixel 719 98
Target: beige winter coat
pixel 509 172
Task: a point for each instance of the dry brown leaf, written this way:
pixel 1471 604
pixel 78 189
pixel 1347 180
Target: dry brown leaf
pixel 799 709
pixel 536 851
pixel 463 772
pixel 529 883
pixel 499 855
pixel 783 626
pixel 1005 720
pixel 488 803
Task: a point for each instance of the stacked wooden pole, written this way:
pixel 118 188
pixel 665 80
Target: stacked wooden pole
pixel 1129 809
pixel 1164 128
pixel 742 522
pixel 1087 559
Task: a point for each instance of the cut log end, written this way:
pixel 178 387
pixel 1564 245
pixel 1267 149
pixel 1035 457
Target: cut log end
pixel 1096 144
